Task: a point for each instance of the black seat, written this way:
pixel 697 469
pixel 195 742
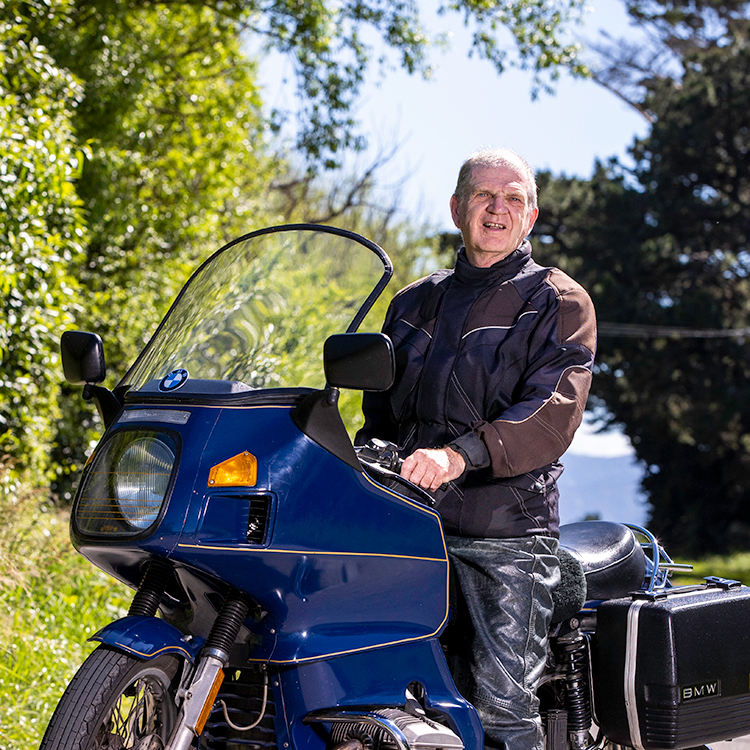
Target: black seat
pixel 613 561
pixel 598 560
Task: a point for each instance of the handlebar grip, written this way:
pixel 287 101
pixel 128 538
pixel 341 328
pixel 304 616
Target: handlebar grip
pixel 384 457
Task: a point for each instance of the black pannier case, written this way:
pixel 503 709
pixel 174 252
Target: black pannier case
pixel 672 670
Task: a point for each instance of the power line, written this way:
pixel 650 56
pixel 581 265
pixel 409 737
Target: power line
pixel 636 330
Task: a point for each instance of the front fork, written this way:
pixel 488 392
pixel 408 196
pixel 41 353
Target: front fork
pixel 200 693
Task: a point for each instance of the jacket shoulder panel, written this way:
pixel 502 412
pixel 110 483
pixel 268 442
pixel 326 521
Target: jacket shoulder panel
pixel 417 303
pixel 499 306
pixel 576 314
pixel 422 286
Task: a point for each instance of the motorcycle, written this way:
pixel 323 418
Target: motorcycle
pixel 292 591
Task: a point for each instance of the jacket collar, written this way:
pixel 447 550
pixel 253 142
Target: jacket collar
pixel 501 271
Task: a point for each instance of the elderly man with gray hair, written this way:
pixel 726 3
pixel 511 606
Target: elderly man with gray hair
pixel 494 361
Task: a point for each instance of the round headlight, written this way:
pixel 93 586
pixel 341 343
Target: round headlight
pixel 141 478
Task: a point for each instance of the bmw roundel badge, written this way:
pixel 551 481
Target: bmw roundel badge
pixel 174 380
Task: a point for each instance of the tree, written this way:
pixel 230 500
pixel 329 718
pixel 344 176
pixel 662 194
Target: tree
pixel 670 30
pixel 177 165
pixel 332 44
pixel 664 251
pixel 329 45
pixel 41 235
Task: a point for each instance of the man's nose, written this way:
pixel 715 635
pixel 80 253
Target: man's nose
pixel 498 205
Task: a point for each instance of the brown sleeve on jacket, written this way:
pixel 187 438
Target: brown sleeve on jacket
pixel 539 428
pixel 518 447
pixel 576 315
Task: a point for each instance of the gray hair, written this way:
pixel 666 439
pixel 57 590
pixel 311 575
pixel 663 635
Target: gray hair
pixel 495 157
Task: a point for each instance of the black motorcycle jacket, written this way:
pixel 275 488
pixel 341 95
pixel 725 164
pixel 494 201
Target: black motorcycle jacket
pixel 495 362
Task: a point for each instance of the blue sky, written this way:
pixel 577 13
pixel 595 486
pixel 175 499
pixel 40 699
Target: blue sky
pixel 466 106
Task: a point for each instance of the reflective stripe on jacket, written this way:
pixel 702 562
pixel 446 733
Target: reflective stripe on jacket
pixel 496 362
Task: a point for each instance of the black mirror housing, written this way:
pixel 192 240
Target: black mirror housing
pixel 82 357
pixel 361 361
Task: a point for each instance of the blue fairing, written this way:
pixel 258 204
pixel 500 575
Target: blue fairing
pixel 346 564
pixel 375 678
pixel 345 579
pixel 147 637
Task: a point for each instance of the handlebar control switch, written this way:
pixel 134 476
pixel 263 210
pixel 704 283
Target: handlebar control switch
pixel 382 453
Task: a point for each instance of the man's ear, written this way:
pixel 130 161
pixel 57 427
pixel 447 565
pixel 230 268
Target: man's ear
pixel 455 213
pixel 532 220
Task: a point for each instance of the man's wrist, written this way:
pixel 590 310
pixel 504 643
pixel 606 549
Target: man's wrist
pixel 472 449
pixel 457 461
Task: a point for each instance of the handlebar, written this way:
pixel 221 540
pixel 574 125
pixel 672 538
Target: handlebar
pixel 382 453
pixel 382 457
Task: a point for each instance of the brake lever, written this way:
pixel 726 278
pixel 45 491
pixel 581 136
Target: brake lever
pixel 383 458
pixel 381 453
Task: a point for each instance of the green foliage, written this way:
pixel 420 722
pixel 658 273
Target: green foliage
pixel 41 231
pixel 734 567
pixel 667 245
pixel 51 601
pixel 704 19
pixel 332 55
pixel 177 166
pixel 672 31
pixel 536 27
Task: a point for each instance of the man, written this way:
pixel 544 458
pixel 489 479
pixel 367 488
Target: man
pixel 494 362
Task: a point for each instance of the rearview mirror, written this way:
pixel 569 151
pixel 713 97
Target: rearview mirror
pixel 362 361
pixel 82 357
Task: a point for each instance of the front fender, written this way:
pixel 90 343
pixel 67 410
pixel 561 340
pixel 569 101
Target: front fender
pixel 147 637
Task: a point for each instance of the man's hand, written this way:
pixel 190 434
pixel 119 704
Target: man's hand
pixel 430 467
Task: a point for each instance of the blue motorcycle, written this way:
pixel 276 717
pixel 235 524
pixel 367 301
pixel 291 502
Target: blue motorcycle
pixel 293 592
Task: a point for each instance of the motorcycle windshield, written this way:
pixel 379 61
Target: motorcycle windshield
pixel 256 314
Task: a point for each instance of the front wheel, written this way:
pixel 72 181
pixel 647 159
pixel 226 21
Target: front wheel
pixel 116 702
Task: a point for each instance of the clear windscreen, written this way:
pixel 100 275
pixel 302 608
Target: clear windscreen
pixel 258 312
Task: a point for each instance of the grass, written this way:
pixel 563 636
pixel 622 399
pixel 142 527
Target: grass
pixel 735 566
pixel 51 601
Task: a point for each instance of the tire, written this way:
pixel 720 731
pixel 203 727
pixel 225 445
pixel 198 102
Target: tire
pixel 116 702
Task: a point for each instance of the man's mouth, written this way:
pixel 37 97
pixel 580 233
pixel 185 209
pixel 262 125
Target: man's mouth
pixel 494 225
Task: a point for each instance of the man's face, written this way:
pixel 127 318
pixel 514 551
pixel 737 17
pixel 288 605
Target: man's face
pixel 495 217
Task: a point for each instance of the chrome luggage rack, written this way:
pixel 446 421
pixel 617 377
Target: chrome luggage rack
pixel 659 565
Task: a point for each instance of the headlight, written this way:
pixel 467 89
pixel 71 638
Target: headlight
pixel 141 479
pixel 124 488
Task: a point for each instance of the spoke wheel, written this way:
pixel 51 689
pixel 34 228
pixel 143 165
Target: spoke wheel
pixel 116 702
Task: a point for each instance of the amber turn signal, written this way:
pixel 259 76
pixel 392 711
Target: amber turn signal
pixel 239 471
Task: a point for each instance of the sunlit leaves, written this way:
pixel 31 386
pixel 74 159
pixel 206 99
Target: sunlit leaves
pixel 333 45
pixel 41 233
pixel 177 165
pixel 538 29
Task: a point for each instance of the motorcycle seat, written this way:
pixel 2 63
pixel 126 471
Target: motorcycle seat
pixel 598 560
pixel 613 561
